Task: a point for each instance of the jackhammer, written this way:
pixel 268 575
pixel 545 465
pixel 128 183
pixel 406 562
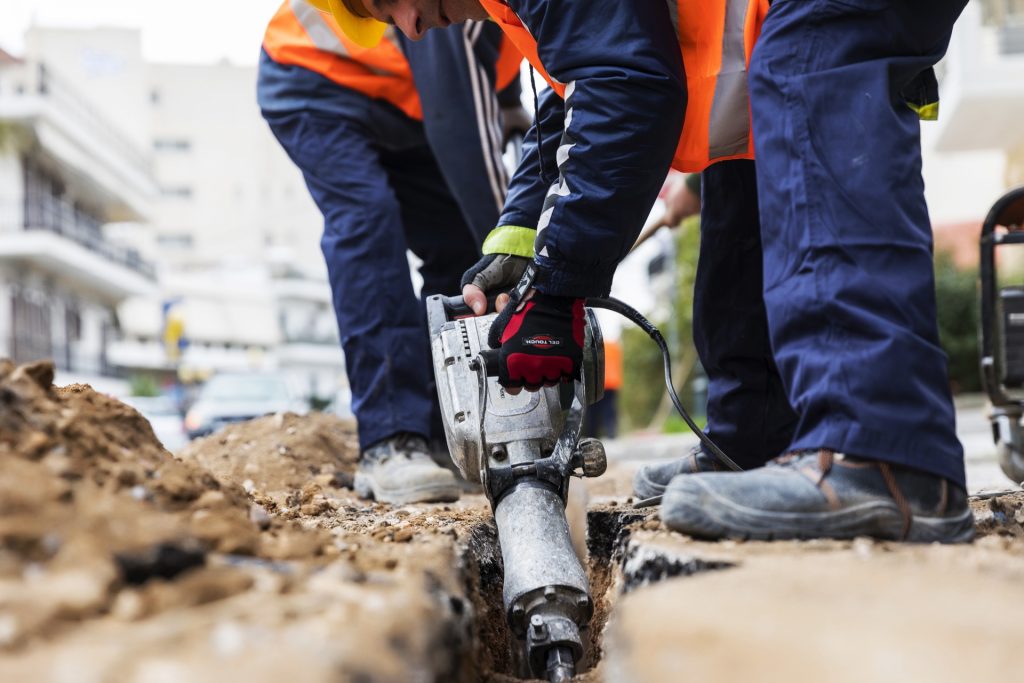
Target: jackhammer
pixel 523 448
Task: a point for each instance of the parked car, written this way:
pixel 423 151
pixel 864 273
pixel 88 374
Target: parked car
pixel 164 417
pixel 236 397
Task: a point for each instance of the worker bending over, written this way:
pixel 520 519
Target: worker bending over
pixel 400 146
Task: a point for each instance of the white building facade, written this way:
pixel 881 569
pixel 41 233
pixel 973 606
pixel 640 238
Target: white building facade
pixel 975 151
pixel 143 189
pixel 65 171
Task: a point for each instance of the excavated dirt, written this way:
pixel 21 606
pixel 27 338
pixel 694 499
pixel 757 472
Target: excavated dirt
pixel 247 557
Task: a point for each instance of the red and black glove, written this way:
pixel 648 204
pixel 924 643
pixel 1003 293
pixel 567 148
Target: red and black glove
pixel 541 341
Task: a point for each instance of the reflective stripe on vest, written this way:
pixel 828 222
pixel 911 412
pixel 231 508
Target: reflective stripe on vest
pixel 716 39
pixel 301 35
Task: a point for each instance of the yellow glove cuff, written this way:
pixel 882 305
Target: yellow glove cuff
pixel 510 239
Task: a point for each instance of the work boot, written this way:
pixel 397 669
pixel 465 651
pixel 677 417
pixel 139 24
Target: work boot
pixel 819 494
pixel 651 480
pixel 399 470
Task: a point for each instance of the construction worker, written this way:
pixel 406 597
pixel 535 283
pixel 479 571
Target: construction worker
pixel 400 145
pixel 835 90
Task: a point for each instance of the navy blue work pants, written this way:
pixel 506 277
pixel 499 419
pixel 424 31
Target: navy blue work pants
pixel 849 287
pixel 381 192
pixel 749 416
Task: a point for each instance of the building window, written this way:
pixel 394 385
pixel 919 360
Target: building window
pixel 177 192
pixel 1007 17
pixel 31 334
pixel 178 241
pixel 73 323
pixel 172 144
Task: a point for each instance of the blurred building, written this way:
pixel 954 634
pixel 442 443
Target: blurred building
pixel 975 151
pixel 65 171
pixel 228 190
pixel 983 85
pixel 196 245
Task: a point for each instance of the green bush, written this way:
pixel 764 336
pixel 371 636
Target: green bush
pixel 144 385
pixel 642 377
pixel 642 399
pixel 956 294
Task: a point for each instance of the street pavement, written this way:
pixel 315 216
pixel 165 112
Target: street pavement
pixel 973 428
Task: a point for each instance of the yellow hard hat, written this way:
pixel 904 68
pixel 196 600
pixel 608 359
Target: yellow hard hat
pixel 363 31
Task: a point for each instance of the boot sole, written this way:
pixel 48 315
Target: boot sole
pixel 693 509
pixel 428 493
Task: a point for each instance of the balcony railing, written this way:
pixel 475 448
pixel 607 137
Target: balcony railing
pixel 60 217
pixel 86 236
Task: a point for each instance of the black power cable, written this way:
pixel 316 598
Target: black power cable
pixel 637 318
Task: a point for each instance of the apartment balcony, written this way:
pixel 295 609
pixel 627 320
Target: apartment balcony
pixel 97 157
pixel 56 238
pixel 982 80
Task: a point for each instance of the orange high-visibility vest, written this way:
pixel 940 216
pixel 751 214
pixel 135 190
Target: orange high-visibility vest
pixel 301 35
pixel 716 39
pixel 612 364
pixel 507 67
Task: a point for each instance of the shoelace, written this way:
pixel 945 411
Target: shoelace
pixel 826 459
pixel 897 495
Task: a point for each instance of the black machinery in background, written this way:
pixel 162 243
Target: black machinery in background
pixel 1002 334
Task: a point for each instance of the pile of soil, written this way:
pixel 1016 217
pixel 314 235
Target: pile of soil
pixel 91 504
pixel 247 558
pixel 277 454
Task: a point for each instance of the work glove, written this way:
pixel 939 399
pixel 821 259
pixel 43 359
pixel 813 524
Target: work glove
pixel 540 337
pixel 496 272
pixel 508 249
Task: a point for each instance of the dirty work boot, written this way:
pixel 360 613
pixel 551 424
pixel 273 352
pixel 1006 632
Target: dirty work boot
pixel 651 480
pixel 819 494
pixel 399 470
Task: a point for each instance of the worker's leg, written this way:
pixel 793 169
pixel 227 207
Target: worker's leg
pixel 435 229
pixel 849 287
pixel 749 416
pixel 436 232
pixel 379 317
pixel 848 246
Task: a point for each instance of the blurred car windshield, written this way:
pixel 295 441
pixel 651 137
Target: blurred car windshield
pixel 244 388
pixel 152 405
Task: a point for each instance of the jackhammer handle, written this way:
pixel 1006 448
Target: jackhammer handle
pixel 455 307
pixel 490 357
